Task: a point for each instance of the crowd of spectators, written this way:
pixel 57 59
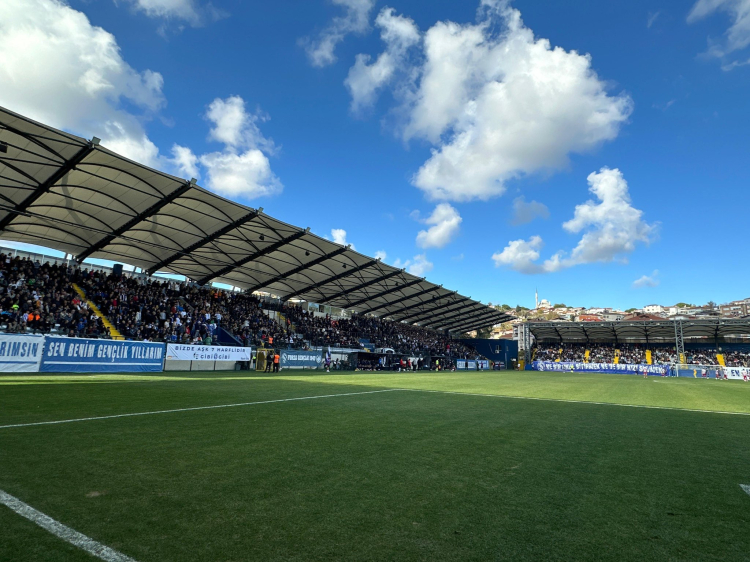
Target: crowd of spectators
pixel 144 308
pixel 39 299
pixel 407 339
pixel 635 354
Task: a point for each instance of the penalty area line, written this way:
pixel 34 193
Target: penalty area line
pixel 577 402
pixel 64 532
pixel 218 406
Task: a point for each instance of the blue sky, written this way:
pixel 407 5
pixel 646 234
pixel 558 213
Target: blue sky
pixel 447 135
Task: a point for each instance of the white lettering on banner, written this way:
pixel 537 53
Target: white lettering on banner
pixel 600 367
pixel 738 373
pixel 208 353
pixel 20 353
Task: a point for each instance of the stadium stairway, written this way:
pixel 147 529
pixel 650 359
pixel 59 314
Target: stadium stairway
pixel 720 359
pixel 559 355
pixel 617 356
pixel 649 359
pixel 113 332
pixel 587 356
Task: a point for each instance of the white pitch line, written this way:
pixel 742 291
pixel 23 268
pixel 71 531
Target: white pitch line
pixel 197 408
pixel 578 402
pixel 64 532
pixel 746 487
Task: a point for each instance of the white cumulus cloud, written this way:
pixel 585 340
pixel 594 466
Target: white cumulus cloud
pixel 189 11
pixel 419 265
pixel 381 255
pixel 738 35
pixel 365 79
pixel 647 280
pixel 521 255
pixel 58 68
pixel 611 228
pixel 524 213
pixel 321 50
pixel 338 235
pixel 495 102
pixel 445 221
pixel 242 169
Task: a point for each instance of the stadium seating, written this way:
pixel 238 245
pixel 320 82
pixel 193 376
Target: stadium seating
pixel 635 354
pixel 43 298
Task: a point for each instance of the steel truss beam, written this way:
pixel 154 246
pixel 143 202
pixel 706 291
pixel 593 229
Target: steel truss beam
pixel 386 292
pixel 414 296
pixel 316 286
pixel 471 309
pixel 471 325
pixel 361 286
pixel 207 240
pixel 67 166
pixel 296 270
pixel 254 256
pixel 421 303
pixel 462 324
pixel 468 315
pixel 148 213
pixel 435 314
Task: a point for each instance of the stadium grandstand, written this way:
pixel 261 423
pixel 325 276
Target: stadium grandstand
pixel 75 196
pixel 716 342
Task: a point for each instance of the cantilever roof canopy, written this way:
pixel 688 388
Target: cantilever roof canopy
pixel 73 195
pixel 641 330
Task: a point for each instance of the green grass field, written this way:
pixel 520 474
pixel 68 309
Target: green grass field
pixel 486 466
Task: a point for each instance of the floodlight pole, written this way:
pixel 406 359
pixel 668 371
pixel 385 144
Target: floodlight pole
pixel 679 342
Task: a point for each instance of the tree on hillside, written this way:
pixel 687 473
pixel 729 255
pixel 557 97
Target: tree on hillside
pixel 631 310
pixel 560 305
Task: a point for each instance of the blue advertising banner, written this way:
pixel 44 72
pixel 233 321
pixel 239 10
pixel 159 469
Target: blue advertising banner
pixel 295 358
pixel 77 355
pixel 563 366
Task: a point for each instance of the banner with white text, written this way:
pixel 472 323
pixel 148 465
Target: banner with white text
pixel 208 353
pixel 78 355
pixel 563 366
pixel 20 353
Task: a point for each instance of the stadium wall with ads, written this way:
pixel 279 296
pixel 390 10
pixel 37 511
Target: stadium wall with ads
pixel 208 353
pixel 20 353
pixel 291 359
pixel 564 366
pixel 472 365
pixel 79 355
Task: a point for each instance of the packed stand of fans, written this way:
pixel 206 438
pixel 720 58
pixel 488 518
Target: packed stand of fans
pixel 347 333
pixel 38 298
pixel 173 311
pixel 635 354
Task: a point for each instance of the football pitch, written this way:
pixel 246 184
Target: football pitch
pixel 374 466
